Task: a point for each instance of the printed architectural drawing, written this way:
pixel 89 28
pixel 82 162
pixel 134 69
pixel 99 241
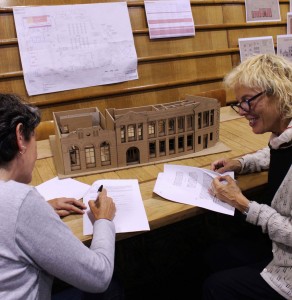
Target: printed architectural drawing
pixel 86 141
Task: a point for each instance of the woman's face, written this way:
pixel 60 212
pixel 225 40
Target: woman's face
pixel 264 115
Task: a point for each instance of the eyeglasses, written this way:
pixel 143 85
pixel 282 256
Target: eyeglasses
pixel 245 104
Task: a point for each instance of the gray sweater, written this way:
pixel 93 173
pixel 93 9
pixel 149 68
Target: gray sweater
pixel 36 245
pixel 275 220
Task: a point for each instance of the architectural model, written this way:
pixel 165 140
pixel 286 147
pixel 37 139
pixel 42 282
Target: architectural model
pixel 86 141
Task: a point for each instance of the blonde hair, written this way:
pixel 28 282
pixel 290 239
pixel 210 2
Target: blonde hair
pixel 265 72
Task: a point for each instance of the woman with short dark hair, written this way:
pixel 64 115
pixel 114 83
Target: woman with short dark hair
pixel 36 245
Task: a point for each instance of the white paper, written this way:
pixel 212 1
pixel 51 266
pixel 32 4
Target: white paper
pixel 169 18
pixel 284 46
pixel 130 212
pixel 255 45
pixel 67 47
pixel 262 10
pixel 289 23
pixel 57 188
pixel 190 185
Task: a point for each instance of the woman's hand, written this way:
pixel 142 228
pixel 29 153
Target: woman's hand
pixel 103 207
pixel 224 165
pixel 226 190
pixel 66 206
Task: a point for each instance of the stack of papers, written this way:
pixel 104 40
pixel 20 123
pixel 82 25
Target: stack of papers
pixel 190 185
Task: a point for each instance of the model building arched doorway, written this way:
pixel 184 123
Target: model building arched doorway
pixel 133 156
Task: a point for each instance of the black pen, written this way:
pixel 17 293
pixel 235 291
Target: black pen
pixel 100 188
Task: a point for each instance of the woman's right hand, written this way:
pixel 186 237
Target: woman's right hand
pixel 103 207
pixel 225 164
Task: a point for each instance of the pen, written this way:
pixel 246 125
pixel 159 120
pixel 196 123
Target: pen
pixel 100 188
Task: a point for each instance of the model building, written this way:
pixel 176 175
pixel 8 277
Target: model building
pixel 86 141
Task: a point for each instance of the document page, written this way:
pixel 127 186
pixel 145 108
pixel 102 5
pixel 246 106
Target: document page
pixel 66 47
pixel 169 18
pixel 130 212
pixel 58 188
pixel 262 10
pixel 255 45
pixel 189 185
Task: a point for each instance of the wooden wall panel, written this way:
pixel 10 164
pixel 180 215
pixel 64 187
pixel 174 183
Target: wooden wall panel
pixel 168 68
pixel 10 59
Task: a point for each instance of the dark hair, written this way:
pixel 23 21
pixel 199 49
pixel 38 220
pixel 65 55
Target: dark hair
pixel 13 111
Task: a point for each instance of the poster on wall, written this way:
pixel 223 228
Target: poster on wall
pixel 67 47
pixel 169 18
pixel 262 10
pixel 284 46
pixel 255 45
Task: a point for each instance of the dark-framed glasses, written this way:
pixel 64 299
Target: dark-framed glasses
pixel 245 104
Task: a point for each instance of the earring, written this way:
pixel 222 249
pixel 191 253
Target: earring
pixel 23 150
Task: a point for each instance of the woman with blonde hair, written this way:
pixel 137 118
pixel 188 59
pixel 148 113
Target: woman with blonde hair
pixel 263 89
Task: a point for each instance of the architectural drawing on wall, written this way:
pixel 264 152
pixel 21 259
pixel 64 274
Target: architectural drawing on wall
pixel 284 46
pixel 66 47
pixel 255 45
pixel 169 18
pixel 262 10
pixel 86 141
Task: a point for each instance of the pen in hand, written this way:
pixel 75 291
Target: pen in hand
pixel 100 188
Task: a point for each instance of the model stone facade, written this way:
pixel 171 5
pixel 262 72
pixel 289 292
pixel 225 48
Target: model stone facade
pixel 88 142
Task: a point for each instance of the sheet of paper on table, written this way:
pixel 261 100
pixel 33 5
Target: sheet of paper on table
pixel 189 185
pixel 57 188
pixel 130 212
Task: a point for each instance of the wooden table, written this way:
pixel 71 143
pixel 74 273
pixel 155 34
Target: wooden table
pixel 235 133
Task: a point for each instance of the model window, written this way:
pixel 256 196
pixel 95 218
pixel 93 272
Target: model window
pixel 151 129
pixel 190 141
pixel 206 119
pixel 131 133
pixel 161 127
pixel 180 123
pixel 90 156
pixel 171 126
pixel 180 144
pixel 162 148
pixel 199 120
pixel 123 134
pixel 190 119
pixel 152 149
pixel 140 131
pixel 212 117
pixel 205 141
pixel 171 146
pixel 211 136
pixel 74 158
pixel 65 129
pixel 105 154
pixel 199 140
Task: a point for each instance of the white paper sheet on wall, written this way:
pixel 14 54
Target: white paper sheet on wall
pixel 67 47
pixel 169 18
pixel 255 45
pixel 284 46
pixel 262 10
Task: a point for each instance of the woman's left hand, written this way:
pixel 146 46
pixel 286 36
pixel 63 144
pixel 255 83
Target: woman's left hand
pixel 226 190
pixel 66 206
